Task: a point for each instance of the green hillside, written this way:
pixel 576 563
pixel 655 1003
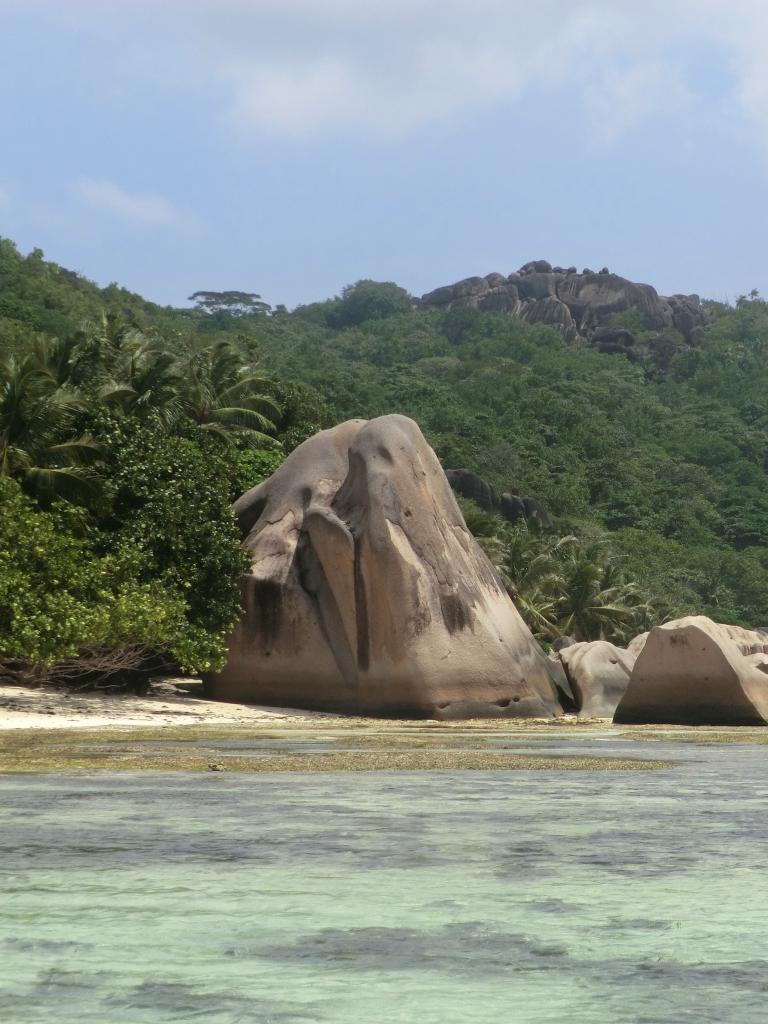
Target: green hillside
pixel 126 428
pixel 673 465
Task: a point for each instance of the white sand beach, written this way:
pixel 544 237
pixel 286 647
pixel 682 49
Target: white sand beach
pixel 169 703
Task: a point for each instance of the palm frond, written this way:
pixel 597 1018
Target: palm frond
pixel 77 451
pixel 72 483
pixel 245 418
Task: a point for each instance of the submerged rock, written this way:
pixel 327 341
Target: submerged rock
pixel 694 671
pixel 367 593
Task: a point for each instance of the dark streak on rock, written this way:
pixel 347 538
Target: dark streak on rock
pixel 456 614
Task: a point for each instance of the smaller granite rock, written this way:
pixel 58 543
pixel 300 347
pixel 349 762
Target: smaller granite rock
pixel 694 671
pixel 496 280
pixel 599 675
pixel 536 267
pixel 637 644
pixel 470 485
pixel 535 510
pixel 535 285
pixel 561 642
pixel 512 507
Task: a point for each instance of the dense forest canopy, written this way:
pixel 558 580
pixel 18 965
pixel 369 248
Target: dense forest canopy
pixel 126 428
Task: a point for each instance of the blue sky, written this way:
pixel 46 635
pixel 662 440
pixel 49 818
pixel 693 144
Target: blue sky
pixel 291 147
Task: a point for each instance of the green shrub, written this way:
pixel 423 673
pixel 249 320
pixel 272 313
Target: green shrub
pixel 171 506
pixel 60 599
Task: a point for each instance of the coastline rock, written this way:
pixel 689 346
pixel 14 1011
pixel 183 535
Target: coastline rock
pixel 368 595
pixel 694 671
pixel 599 675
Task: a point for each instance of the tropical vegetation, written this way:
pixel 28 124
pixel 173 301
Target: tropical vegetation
pixel 127 428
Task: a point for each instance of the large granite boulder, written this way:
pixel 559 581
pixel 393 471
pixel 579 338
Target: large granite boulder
pixel 367 594
pixel 538 285
pixel 598 673
pixel 687 316
pixel 551 312
pixel 694 671
pixel 593 298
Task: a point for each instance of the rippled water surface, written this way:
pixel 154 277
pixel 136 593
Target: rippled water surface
pixel 432 898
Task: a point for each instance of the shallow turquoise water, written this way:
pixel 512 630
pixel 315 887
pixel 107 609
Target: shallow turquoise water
pixel 372 898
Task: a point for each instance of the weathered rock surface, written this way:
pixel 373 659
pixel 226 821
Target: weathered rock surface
pixel 694 671
pixel 636 645
pixel 580 305
pixel 598 673
pixel 367 594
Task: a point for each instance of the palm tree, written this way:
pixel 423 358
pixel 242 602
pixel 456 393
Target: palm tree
pixel 561 584
pixel 597 603
pixel 39 444
pixel 144 383
pixel 530 567
pixel 60 358
pixel 109 338
pixel 225 398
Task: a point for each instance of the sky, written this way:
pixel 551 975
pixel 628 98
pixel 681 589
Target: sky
pixel 292 147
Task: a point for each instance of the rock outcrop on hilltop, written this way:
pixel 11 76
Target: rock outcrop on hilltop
pixel 694 671
pixel 598 673
pixel 580 304
pixel 367 594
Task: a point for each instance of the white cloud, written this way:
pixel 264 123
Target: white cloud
pixel 376 68
pixel 384 67
pixel 140 209
pixel 622 96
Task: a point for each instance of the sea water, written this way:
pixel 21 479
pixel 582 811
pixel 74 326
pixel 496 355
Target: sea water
pixel 375 898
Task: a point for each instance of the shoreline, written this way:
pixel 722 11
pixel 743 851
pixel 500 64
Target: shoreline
pixel 47 731
pixel 179 702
